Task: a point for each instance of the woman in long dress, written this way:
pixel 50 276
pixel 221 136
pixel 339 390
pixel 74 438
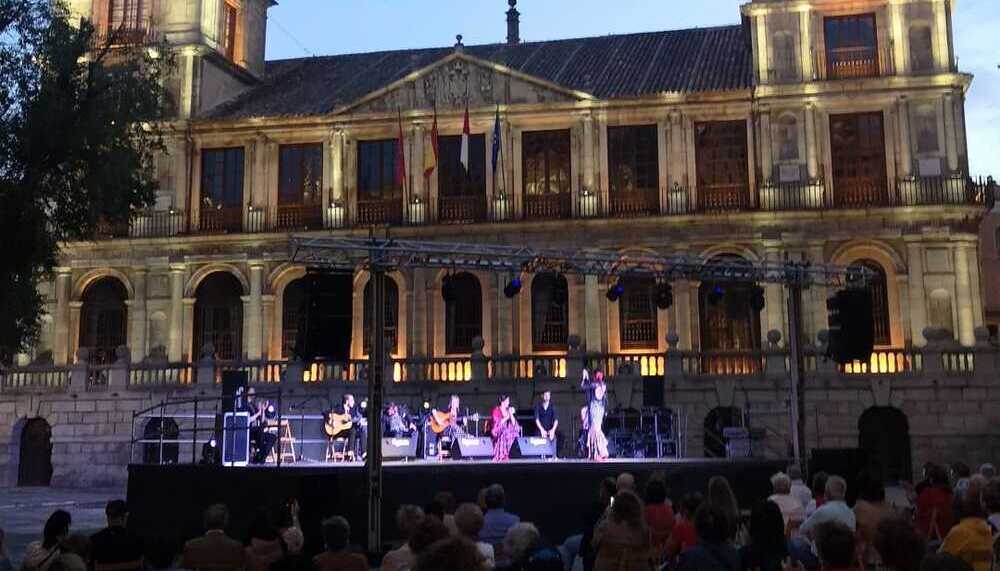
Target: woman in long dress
pixel 597 404
pixel 505 429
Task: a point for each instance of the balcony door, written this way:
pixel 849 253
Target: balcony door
pixel 461 191
pixel 380 199
pixel 851 46
pixel 300 179
pixel 857 147
pixel 633 170
pixel 721 156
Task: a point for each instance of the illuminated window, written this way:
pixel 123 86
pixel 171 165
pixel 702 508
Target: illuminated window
pixel 879 289
pixel 637 315
pixel 103 320
pixel 549 312
pixel 391 303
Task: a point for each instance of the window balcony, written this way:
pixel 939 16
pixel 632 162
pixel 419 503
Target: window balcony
pixel 855 62
pixel 778 196
pixel 642 202
pixel 860 192
pixel 731 197
pixel 299 217
pixel 125 34
pixel 462 209
pixel 549 206
pixel 221 220
pixel 933 190
pixel 380 211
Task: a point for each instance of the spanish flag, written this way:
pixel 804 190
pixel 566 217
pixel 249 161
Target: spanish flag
pixel 431 155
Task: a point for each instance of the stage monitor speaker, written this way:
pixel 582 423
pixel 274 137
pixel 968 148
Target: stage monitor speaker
pixel 652 392
pixel 474 447
pixel 236 439
pixel 234 386
pixel 399 448
pixel 533 447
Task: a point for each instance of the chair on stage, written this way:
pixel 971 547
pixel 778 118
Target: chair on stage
pixel 337 450
pixel 285 445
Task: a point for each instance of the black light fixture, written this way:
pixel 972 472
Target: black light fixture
pixel 448 293
pixel 615 291
pixel 715 294
pixel 664 295
pixel 512 288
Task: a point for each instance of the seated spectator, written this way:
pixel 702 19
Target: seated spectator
pixel 943 562
pixel 720 493
pixel 214 550
pixel 870 510
pixel 792 510
pixel 899 546
pixel 768 548
pixel 520 540
pixel 265 545
pixel 960 474
pixel 834 509
pixel 496 521
pixel 659 516
pixel 799 488
pixel 625 482
pixel 606 491
pixel 40 555
pixel 971 539
pixel 934 504
pixel 76 554
pixel 337 557
pixel 684 535
pixel 451 554
pixel 115 544
pixel 469 522
pixel 289 527
pixel 448 504
pixel 160 554
pixel 715 551
pixel 408 518
pixel 818 491
pixel 987 471
pixel 621 541
pixel 835 546
pixel 898 494
pixel 991 501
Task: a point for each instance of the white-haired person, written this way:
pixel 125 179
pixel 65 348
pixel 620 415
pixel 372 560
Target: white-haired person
pixel 792 510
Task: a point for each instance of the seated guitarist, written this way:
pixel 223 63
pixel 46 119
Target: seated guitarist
pixel 357 434
pixel 450 423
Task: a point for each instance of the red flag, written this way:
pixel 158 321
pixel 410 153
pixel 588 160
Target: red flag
pixel 400 157
pixel 465 141
pixel 431 155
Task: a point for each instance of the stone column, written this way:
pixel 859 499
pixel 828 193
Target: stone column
pixel 418 183
pixel 950 133
pixel 417 333
pixel 268 348
pixel 588 152
pixel 974 280
pixel 812 144
pixel 763 61
pixel 187 331
pixel 337 192
pixel 963 290
pixel 252 315
pixel 60 342
pixel 819 295
pixel 764 140
pixel 74 328
pixel 805 44
pixel 918 295
pixel 942 51
pixel 682 307
pixel 773 297
pixel 175 348
pixel 905 155
pixel 137 315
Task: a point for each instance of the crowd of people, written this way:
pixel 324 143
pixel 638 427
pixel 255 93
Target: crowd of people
pixel 949 521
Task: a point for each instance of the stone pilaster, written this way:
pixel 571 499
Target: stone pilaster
pixel 950 133
pixel 61 336
pixel 812 143
pixel 253 333
pixel 905 155
pixel 175 348
pixel 918 295
pixel 137 316
pixel 963 290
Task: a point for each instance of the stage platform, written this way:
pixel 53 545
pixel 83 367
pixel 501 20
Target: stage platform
pixel 555 494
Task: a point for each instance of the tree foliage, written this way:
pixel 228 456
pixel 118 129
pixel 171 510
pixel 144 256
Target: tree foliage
pixel 80 125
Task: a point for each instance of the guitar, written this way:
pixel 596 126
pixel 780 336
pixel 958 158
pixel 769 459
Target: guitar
pixel 336 424
pixel 442 420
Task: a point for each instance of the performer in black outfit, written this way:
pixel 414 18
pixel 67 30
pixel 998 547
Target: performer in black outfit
pixel 397 424
pixel 357 435
pixel 262 439
pixel 547 420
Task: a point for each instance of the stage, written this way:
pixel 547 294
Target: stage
pixel 554 494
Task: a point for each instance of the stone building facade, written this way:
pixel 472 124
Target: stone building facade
pixel 825 130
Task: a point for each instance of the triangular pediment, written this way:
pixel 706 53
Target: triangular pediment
pixel 459 78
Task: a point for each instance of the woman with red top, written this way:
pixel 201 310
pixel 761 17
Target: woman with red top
pixel 934 506
pixel 505 429
pixel 659 516
pixel 683 535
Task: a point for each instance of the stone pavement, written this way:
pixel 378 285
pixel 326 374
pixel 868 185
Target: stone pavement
pixel 23 512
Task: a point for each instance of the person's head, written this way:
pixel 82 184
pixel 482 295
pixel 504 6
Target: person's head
pixel 469 520
pixel 721 494
pixel 494 497
pixel 56 528
pixel 656 492
pixel 504 400
pixel 711 523
pixel 429 531
pixel 608 489
pixel 794 472
pixel 970 503
pixel 520 540
pixel 899 545
pixel 453 402
pixel 988 471
pixel 348 400
pixel 937 476
pixel 781 483
pixel 216 517
pixel 117 513
pixel 960 470
pixel 77 544
pixel 160 553
pixel 872 490
pixel 819 484
pixel 451 554
pixel 625 482
pixel 262 527
pixel 392 409
pixel 251 394
pixel 546 397
pixel 943 562
pixel 991 496
pixel 627 509
pixel 336 533
pixel 408 517
pixel 836 489
pixel 690 504
pixel 835 545
pixel 435 508
pixel 767 526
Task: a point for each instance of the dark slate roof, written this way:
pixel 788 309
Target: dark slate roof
pixel 608 67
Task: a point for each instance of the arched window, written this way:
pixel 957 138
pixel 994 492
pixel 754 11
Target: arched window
pixel 880 302
pixel 728 323
pixel 103 319
pixel 921 48
pixel 159 429
pixel 391 301
pixel 884 435
pixel 292 309
pixel 637 314
pixel 218 316
pixel 549 312
pixel 463 312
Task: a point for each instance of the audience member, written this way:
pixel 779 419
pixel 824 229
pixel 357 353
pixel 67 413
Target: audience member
pixel 799 488
pixel 899 546
pixel 160 554
pixel 408 518
pixel 451 554
pixel 870 510
pixel 721 494
pixel 991 501
pixel 835 546
pixel 430 530
pixel 684 535
pixel 265 545
pixel 818 491
pixel 715 551
pixel 924 477
pixel 40 555
pixel 76 554
pixel 606 492
pixel 987 471
pixel 834 509
pixel 625 482
pixel 899 495
pixel 971 539
pixel 659 516
pixel 115 543
pixel 496 521
pixel 934 504
pixel 767 549
pixel 960 474
pixel 792 510
pixel 337 557
pixel 448 504
pixel 520 540
pixel 621 541
pixel 5 563
pixel 943 562
pixel 289 527
pixel 469 522
pixel 214 550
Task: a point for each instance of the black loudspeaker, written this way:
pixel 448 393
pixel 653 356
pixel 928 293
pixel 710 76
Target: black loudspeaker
pixel 234 386
pixel 652 392
pixel 474 447
pixel 325 327
pixel 399 448
pixel 236 439
pixel 533 447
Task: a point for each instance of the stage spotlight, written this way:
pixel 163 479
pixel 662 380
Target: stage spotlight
pixel 364 404
pixel 512 288
pixel 427 405
pixel 615 291
pixel 757 298
pixel 448 289
pixel 715 295
pixel 211 443
pixel 664 296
